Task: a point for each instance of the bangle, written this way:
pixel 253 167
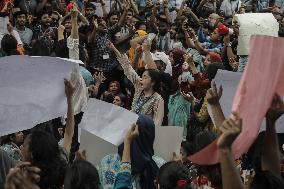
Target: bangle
pixel 229 45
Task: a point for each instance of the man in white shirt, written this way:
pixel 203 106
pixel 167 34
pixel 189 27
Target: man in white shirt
pixel 230 7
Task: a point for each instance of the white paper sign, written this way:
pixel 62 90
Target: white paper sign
pixel 167 140
pixel 31 91
pixel 107 121
pixel 96 148
pixel 230 81
pixel 254 24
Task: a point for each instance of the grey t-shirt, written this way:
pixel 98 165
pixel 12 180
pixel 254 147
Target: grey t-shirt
pixel 26 35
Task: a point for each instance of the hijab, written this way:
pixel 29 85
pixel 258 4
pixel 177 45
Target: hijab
pixel 142 151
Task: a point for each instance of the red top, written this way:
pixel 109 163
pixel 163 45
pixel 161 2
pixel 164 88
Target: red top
pixel 200 85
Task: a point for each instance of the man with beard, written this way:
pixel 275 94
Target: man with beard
pixel 122 38
pixel 25 33
pixel 164 37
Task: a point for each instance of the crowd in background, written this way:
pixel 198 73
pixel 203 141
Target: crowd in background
pixel 156 59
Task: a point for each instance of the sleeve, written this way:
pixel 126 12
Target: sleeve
pixel 201 36
pixel 129 72
pixel 123 178
pixel 115 29
pixel 203 115
pixel 239 5
pixel 6 163
pixel 17 36
pixel 222 8
pixel 159 112
pixel 73 46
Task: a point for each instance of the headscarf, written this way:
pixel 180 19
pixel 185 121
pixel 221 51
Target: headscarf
pixel 215 57
pixel 165 59
pixel 142 151
pixel 178 56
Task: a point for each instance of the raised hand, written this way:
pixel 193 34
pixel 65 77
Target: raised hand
pixel 74 13
pixel 81 155
pixel 126 5
pixel 19 178
pixel 188 59
pixel 276 109
pixel 95 24
pixel 99 77
pixel 61 28
pixel 132 133
pixel 176 157
pixel 234 64
pixel 189 97
pixel 113 48
pixel 69 89
pixel 231 128
pixel 166 3
pixel 139 50
pixel 213 94
pixel 226 40
pixel 149 4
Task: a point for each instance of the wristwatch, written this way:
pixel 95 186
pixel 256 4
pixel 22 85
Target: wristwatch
pixel 229 45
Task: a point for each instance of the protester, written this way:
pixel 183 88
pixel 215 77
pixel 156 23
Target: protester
pixel 146 99
pixel 144 165
pixel 157 59
pixel 11 144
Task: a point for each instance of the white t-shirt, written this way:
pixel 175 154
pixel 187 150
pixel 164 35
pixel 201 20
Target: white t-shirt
pixel 230 7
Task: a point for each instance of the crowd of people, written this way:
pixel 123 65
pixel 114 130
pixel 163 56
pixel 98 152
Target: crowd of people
pixel 156 59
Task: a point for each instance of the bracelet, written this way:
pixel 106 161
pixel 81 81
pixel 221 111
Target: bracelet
pixel 229 45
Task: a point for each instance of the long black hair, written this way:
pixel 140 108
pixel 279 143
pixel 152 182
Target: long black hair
pixel 9 45
pixel 173 174
pixel 82 175
pixel 155 78
pixel 45 154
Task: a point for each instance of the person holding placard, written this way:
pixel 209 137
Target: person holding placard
pixel 144 164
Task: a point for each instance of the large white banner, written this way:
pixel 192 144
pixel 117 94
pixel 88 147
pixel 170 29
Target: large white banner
pixel 31 91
